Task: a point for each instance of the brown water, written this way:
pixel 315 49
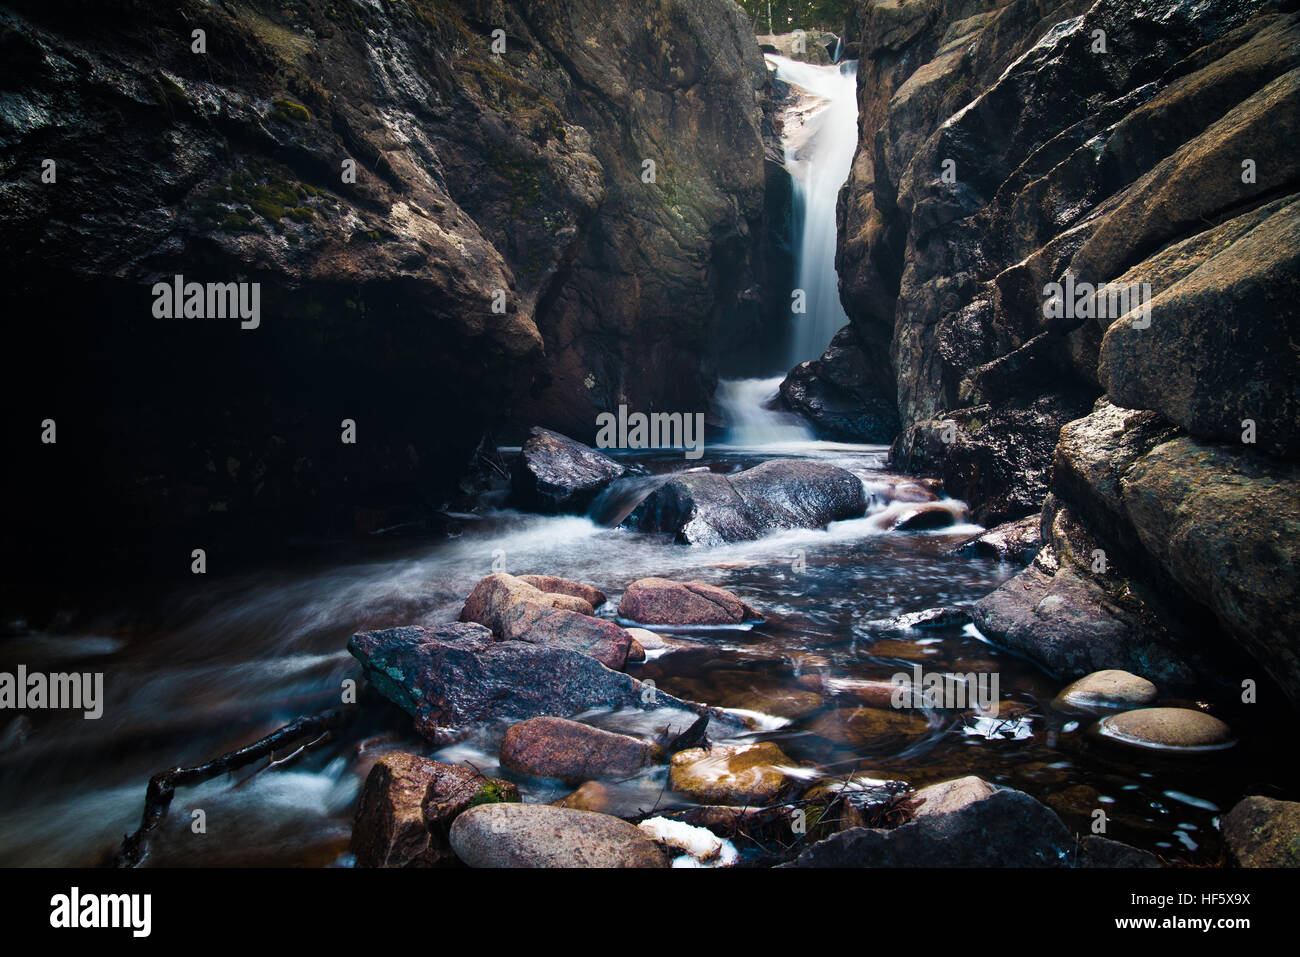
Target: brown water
pixel 192 675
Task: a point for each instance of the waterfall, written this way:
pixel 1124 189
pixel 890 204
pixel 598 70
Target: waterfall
pixel 821 135
pixel 748 410
pixel 819 146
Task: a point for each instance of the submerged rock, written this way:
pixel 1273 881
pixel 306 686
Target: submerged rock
pixel 705 508
pixel 940 617
pixel 408 804
pixel 540 835
pixel 1168 729
pixel 555 473
pixel 658 601
pixel 573 752
pixel 591 796
pixel 731 774
pixel 1262 832
pixel 517 611
pixel 1108 689
pixel 924 517
pixel 454 675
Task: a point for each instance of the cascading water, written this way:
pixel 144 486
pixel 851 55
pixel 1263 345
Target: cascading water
pixel 818 155
pixel 820 140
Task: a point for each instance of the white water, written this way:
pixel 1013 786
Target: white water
pixel 819 148
pixel 743 403
pixel 819 145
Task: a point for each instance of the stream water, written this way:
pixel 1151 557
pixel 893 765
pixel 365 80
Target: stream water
pixel 191 675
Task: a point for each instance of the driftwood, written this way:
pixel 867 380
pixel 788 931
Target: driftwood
pixel 163 785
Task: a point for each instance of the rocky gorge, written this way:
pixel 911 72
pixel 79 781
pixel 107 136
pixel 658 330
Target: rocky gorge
pixel 1014 555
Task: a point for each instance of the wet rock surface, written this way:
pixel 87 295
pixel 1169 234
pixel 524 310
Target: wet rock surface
pixel 658 601
pixel 1173 729
pixel 841 395
pixel 516 611
pixel 556 474
pixel 1109 689
pixel 538 835
pixel 731 774
pixel 455 675
pixel 1013 542
pixel 712 509
pixel 407 806
pixel 1263 832
pixel 573 752
pixel 1006 828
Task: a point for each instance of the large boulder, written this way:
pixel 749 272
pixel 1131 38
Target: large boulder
pixel 573 752
pixel 1263 832
pixel 450 676
pixel 556 474
pixel 540 835
pixel 1076 610
pixel 407 807
pixel 1004 828
pixel 658 601
pixel 516 611
pixel 705 508
pixel 1219 345
pixel 1213 528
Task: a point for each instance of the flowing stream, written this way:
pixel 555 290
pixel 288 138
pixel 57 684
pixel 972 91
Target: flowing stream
pixel 191 675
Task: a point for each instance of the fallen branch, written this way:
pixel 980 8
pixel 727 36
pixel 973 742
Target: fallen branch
pixel 163 785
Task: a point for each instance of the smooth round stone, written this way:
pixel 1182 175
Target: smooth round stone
pixel 539 835
pixel 1168 729
pixel 1108 689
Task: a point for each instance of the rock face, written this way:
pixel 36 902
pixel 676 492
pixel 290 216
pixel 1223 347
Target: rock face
pixel 712 509
pixel 572 752
pixel 842 395
pixel 556 474
pixel 455 675
pixel 516 611
pixel 1262 832
pixel 407 807
pixel 658 601
pixel 539 835
pixel 1001 153
pixel 476 174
